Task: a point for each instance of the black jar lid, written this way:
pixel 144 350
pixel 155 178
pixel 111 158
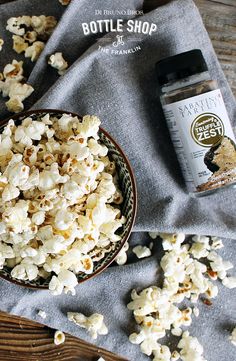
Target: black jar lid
pixel 180 66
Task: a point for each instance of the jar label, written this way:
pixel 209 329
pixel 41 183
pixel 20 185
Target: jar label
pixel 204 140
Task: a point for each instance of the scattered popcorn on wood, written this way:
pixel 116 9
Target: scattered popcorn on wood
pixel 121 258
pixel 59 338
pixel 57 212
pixel 233 337
pixel 142 251
pixel 58 62
pixel 42 314
pixel 94 324
pixel 1 43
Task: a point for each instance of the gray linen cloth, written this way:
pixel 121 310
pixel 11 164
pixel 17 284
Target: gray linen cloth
pixel 121 89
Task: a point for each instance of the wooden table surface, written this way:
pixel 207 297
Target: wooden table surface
pixel 23 340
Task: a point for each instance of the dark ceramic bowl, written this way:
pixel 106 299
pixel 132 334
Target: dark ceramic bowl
pixel 128 207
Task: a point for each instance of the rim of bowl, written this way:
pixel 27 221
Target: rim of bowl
pixel 134 190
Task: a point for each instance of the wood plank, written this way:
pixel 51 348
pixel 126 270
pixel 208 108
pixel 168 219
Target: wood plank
pixel 21 340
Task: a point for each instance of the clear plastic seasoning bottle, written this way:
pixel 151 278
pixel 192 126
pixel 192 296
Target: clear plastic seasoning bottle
pixel 198 122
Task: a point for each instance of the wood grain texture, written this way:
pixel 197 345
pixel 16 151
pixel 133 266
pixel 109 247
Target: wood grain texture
pixel 23 340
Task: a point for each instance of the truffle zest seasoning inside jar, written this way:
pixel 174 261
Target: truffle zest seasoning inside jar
pixel 198 122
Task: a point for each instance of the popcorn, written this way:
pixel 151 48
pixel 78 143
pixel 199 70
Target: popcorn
pixel 54 220
pixel 33 51
pixel 59 338
pixel 233 337
pixel 58 62
pixel 229 282
pixel 43 25
pixel 14 70
pixel 94 324
pixel 121 258
pixel 190 348
pixel 171 241
pixel 12 87
pixel 14 26
pixel 30 36
pixel 19 44
pixel 16 218
pixel 200 247
pixel 25 272
pixel 142 252
pixel 42 314
pixel 218 265
pixel 153 235
pixel 63 219
pixel 14 105
pixel 196 311
pixel 17 93
pixel 10 192
pixel 38 218
pixel 1 43
pixel 162 353
pixel 50 177
pixel 216 243
pixel 65 280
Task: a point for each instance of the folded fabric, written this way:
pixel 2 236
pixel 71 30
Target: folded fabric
pixel 122 90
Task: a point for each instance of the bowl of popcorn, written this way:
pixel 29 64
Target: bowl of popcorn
pixel 68 199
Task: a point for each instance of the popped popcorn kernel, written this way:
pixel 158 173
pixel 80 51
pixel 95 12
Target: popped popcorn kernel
pixel 142 251
pixel 94 324
pixel 58 62
pixel 59 338
pixel 42 314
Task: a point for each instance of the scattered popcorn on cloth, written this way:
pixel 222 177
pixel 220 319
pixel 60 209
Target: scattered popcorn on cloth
pixel 30 33
pixel 185 277
pixel 12 86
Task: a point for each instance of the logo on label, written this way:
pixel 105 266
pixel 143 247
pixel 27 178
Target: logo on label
pixel 207 129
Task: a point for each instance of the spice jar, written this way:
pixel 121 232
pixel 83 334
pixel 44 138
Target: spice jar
pixel 198 122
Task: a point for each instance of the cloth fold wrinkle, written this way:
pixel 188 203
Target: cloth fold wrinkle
pixel 122 90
